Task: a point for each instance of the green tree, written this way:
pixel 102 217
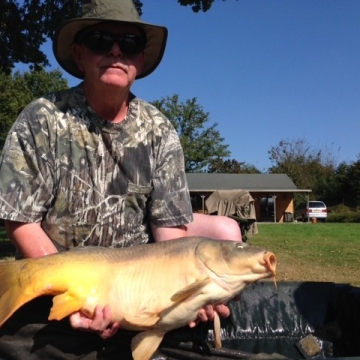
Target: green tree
pixel 26 25
pixel 353 189
pixel 198 5
pixel 20 89
pixel 308 167
pixel 201 144
pixel 232 166
pixel 346 185
pixel 336 191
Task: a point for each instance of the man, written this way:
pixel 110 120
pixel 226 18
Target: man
pixel 95 165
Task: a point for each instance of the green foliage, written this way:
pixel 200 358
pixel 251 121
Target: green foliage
pixel 346 217
pixel 341 208
pixel 25 26
pixel 231 166
pixel 315 169
pixel 202 145
pixel 351 183
pixel 13 98
pixel 309 168
pixel 343 214
pixel 197 5
pixel 20 89
pixel 343 185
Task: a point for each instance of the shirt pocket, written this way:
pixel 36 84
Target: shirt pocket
pixel 136 197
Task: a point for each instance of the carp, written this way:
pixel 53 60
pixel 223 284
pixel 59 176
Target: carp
pixel 151 288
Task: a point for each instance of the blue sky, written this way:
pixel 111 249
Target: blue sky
pixel 264 70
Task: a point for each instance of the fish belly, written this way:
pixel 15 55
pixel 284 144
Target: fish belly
pixel 142 292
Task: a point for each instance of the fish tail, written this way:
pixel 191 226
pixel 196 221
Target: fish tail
pixel 12 294
pixel 144 344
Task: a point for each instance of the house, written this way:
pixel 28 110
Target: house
pixel 273 193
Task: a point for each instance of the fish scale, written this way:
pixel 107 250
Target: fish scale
pixel 153 288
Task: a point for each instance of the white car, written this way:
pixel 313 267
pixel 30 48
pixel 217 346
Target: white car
pixel 315 209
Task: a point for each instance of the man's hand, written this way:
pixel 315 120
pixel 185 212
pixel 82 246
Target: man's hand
pixel 208 313
pixel 100 323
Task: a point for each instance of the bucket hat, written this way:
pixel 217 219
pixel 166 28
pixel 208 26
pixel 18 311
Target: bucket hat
pixel 96 11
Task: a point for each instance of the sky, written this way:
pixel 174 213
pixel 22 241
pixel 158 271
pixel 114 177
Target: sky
pixel 264 70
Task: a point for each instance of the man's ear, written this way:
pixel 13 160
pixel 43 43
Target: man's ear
pixel 77 55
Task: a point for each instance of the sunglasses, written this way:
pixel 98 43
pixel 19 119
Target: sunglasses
pixel 101 42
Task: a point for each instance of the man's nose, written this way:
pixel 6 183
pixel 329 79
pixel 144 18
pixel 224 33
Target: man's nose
pixel 115 50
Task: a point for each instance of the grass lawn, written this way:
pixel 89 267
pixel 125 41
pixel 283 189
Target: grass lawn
pixel 313 252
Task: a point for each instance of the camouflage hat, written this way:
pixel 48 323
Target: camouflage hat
pixel 96 11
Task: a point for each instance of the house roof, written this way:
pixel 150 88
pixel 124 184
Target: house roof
pixel 205 182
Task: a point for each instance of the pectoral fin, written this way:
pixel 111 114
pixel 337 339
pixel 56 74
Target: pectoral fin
pixel 144 319
pixel 145 344
pixel 64 305
pixel 190 290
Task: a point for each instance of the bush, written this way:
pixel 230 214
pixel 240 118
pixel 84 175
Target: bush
pixel 341 208
pixel 347 215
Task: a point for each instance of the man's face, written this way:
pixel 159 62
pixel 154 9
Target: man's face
pixel 112 67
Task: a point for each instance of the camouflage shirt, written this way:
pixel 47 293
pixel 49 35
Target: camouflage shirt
pixel 89 181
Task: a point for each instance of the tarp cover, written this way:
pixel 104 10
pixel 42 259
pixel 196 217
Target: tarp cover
pixel 237 203
pixel 265 323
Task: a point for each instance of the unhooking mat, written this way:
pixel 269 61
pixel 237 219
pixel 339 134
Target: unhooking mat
pixel 298 320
